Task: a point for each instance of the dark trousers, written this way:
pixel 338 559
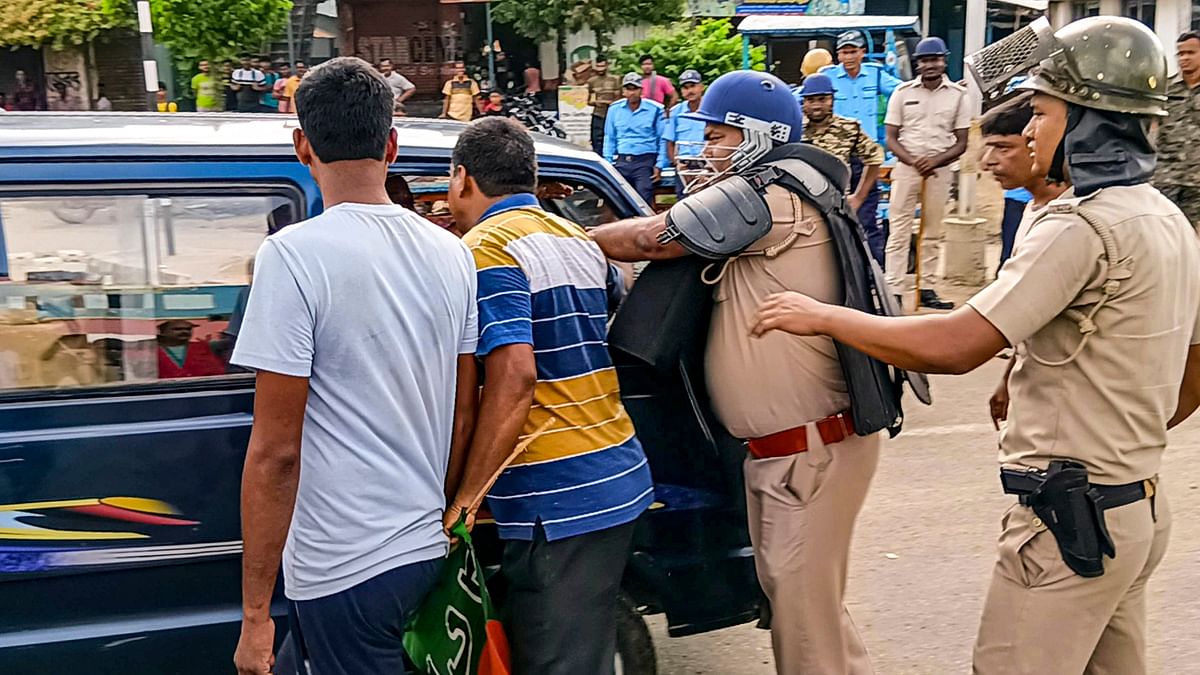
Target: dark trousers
pixel 562 601
pixel 639 171
pixel 361 629
pixel 598 134
pixel 1013 211
pixel 868 213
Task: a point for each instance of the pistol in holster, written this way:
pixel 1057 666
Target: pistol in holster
pixel 1073 509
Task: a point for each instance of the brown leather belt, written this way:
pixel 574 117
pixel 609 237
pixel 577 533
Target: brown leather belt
pixel 833 429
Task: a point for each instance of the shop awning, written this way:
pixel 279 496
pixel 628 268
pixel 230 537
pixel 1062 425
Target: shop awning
pixel 804 24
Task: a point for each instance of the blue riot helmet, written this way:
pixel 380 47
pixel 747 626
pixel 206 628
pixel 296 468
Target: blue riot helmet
pixel 931 46
pixel 758 103
pixel 817 85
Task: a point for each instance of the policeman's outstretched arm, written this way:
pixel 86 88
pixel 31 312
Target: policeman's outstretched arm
pixel 1189 389
pixel 636 239
pixel 953 343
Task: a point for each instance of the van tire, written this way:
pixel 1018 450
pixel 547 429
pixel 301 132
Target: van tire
pixel 635 647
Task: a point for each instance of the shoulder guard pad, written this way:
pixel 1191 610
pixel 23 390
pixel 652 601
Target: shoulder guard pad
pixel 719 221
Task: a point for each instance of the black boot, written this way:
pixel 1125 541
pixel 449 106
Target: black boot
pixel 930 299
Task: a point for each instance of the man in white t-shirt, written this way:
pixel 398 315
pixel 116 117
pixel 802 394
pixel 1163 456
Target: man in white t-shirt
pixel 402 87
pixel 249 83
pixel 362 327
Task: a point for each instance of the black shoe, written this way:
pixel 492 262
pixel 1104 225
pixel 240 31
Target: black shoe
pixel 931 300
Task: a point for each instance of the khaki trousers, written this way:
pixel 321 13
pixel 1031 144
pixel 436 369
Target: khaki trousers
pixel 906 194
pixel 802 510
pixel 1040 617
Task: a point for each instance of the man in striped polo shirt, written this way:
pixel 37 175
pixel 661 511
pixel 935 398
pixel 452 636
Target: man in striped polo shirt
pixel 566 507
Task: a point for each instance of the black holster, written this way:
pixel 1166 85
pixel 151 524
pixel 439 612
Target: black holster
pixel 1072 510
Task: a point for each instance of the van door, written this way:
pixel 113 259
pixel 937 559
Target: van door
pixel 123 426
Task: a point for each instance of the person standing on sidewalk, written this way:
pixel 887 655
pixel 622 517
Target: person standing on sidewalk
pixel 459 95
pixel 1178 174
pixel 402 87
pixel 206 89
pixel 633 134
pixel 840 136
pixel 679 129
pixel 362 327
pixel 1103 297
pixel 566 507
pixel 603 89
pixel 927 123
pixel 858 85
pixel 656 87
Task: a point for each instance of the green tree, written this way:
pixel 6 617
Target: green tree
pixel 711 47
pixel 545 19
pixel 216 30
pixel 57 23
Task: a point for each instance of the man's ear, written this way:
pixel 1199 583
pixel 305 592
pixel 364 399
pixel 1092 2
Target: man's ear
pixel 466 184
pixel 393 150
pixel 304 151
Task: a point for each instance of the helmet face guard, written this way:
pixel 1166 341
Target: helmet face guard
pixel 700 164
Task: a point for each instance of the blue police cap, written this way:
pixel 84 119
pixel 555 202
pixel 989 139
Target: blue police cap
pixel 817 85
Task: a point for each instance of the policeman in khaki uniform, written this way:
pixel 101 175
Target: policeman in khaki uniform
pixel 1101 300
pixel 807 472
pixel 926 125
pixel 841 137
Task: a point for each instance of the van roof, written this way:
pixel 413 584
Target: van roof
pixel 192 134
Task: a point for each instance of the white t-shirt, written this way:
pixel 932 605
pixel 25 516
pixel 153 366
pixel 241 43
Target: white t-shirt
pixel 398 83
pixel 373 304
pixel 248 76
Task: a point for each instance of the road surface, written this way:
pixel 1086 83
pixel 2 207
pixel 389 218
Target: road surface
pixel 925 545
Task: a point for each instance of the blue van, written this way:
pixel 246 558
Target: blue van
pixel 126 247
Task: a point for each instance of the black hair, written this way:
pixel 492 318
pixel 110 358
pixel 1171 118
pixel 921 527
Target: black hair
pixel 245 55
pixel 1190 35
pixel 384 59
pixel 498 153
pixel 162 85
pixel 644 58
pixel 601 58
pixel 1009 119
pixel 345 110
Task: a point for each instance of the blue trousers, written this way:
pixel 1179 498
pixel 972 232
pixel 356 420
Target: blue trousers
pixel 359 630
pixel 639 171
pixel 868 213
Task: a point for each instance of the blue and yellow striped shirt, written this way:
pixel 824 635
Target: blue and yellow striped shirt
pixel 542 282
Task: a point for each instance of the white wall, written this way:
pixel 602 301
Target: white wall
pixel 623 37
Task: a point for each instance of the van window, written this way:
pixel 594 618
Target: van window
pixel 115 289
pixel 575 201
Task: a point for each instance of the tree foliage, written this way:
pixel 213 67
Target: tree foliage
pixel 216 29
pixel 542 20
pixel 58 23
pixel 711 47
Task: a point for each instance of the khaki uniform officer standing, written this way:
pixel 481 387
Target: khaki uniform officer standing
pixel 926 125
pixel 1101 300
pixel 807 472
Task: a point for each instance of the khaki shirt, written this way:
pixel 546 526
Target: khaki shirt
pixel 928 118
pixel 760 386
pixel 603 90
pixel 1109 408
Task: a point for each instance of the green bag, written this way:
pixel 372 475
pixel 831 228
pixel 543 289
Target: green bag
pixel 456 630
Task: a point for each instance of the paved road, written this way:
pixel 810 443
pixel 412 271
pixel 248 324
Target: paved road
pixel 925 545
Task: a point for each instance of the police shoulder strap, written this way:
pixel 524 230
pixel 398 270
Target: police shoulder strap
pixel 1116 270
